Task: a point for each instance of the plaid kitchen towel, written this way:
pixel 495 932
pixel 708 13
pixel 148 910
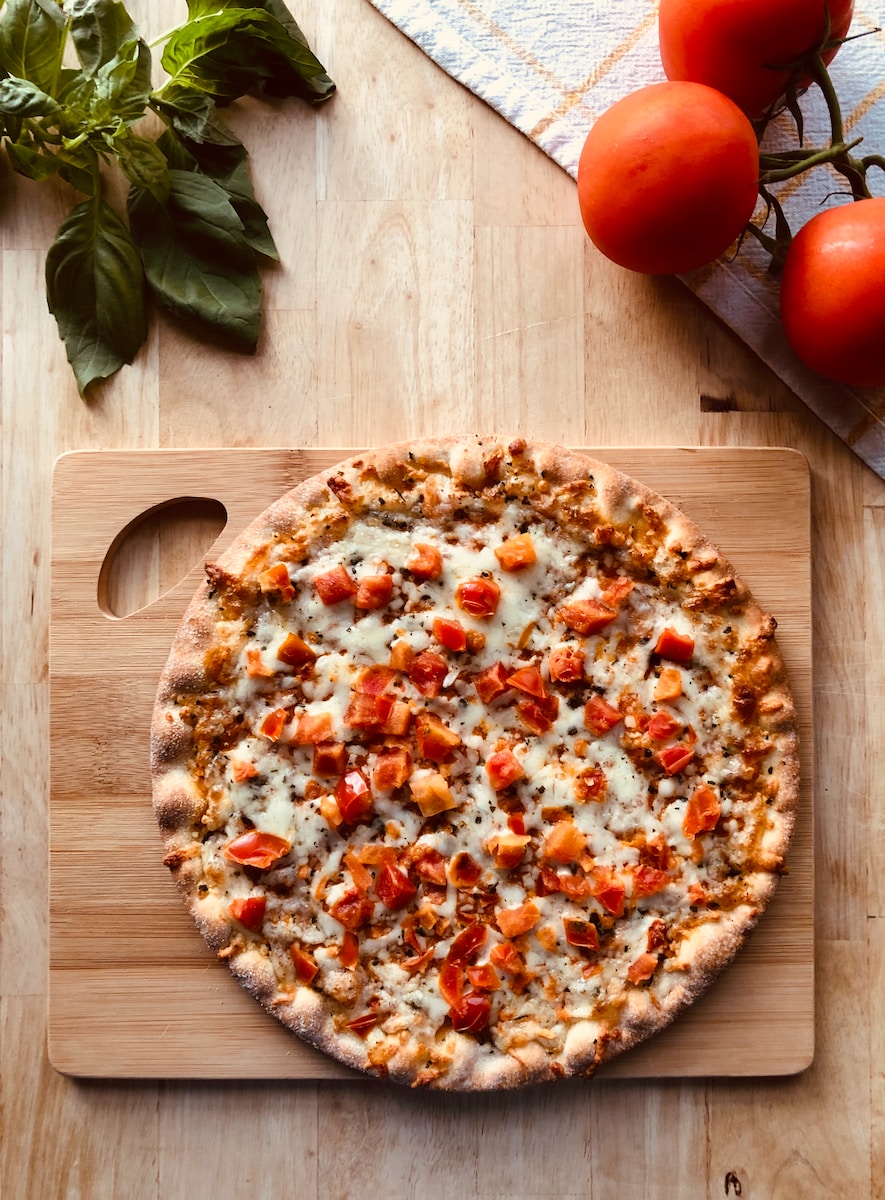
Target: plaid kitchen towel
pixel 550 67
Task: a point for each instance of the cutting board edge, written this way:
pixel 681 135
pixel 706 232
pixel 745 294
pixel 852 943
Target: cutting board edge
pixel 67 1064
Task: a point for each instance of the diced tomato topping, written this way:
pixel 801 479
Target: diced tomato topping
pixel 503 769
pixel 329 758
pixel 517 552
pixel 354 797
pixel 538 716
pixel 516 823
pixel 431 793
pixel 349 951
pixel 591 784
pixel 507 958
pixel 451 981
pixel 508 849
pixel 276 579
pixel 566 663
pixel 255 849
pixel 579 932
pixel 313 728
pixel 363 1025
pixel 513 921
pixel 305 968
pixel 432 867
pixel 547 882
pixel 564 842
pixel 392 768
pixel 678 647
pixel 617 591
pixel 464 870
pixel 330 811
pixel 273 724
pixel 587 616
pixel 675 758
pixel 418 961
pixel 644 967
pixel 669 685
pixel 362 879
pixel 399 719
pixel 528 680
pixel 374 681
pixel 600 716
pixel 467 943
pixel 241 770
pixel 663 725
pixel 576 887
pixel 434 738
pixel 478 597
pixel 295 651
pixel 471 1014
pixel 426 561
pixel 373 591
pixel 649 880
pixel 697 893
pixel 450 634
pixel 484 977
pixel 352 910
pixel 491 682
pixel 393 887
pixel 334 586
pixel 401 655
pixel 656 853
pixel 609 890
pixel 367 711
pixel 702 811
pixel 249 911
pixel 255 665
pixel 656 937
pixel 427 672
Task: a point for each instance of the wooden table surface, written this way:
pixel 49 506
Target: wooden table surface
pixel 435 278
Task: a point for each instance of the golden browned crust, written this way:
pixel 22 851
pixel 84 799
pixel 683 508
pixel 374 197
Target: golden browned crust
pixel 608 509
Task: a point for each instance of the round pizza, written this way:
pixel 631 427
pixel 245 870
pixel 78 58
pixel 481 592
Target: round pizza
pixel 475 761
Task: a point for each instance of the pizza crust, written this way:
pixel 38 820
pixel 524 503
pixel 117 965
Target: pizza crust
pixel 441 480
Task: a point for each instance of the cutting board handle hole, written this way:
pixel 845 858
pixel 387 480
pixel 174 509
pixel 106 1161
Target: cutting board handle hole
pixel 155 551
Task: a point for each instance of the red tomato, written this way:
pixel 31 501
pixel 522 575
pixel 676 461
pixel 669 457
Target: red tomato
pixel 354 797
pixel 833 293
pixel 256 849
pixel 394 888
pixel 668 178
pixel 737 47
pixel 478 597
pixel 471 1014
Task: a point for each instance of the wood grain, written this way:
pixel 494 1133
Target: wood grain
pixel 133 991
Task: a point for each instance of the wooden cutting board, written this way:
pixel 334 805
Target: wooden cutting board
pixel 133 991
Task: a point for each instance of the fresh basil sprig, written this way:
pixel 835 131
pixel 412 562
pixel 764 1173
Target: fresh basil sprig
pixel 194 236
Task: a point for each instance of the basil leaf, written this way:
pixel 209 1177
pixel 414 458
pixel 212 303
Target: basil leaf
pixel 197 261
pixel 21 98
pixel 32 40
pixel 95 289
pixel 227 164
pixel 118 92
pixel 142 162
pixel 31 162
pixel 191 113
pixel 234 50
pixel 99 28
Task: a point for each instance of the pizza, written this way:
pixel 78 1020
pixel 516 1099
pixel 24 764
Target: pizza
pixel 475 761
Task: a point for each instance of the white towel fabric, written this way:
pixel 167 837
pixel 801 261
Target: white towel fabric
pixel 550 67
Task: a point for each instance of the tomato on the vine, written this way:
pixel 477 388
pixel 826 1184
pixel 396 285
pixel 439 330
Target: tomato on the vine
pixel 833 293
pixel 668 178
pixel 745 48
